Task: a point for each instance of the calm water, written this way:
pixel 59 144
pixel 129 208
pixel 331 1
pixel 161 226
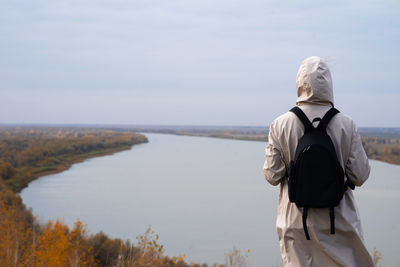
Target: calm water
pixel 203 196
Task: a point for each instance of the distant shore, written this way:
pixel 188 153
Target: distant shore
pixel 29 153
pixel 379 145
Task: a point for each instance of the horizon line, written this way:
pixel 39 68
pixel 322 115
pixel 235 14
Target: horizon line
pixel 125 125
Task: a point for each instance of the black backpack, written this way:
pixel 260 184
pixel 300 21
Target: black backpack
pixel 315 177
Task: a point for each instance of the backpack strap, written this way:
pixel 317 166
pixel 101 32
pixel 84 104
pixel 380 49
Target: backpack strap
pixel 332 219
pixel 326 119
pixel 303 118
pixel 305 212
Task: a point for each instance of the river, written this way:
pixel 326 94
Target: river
pixel 203 196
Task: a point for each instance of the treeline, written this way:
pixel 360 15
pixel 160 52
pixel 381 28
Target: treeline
pixel 382 148
pixel 237 133
pixel 379 143
pixel 24 242
pixel 27 153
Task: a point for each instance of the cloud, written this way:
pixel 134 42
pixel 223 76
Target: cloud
pixel 184 49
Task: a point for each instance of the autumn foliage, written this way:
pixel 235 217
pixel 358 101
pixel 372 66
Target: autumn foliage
pixel 26 154
pixel 24 242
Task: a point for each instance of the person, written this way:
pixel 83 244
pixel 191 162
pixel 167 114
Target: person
pixel 346 247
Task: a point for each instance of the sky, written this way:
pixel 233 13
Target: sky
pixel 182 62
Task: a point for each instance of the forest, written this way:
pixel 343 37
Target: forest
pixel 29 152
pixel 381 148
pixel 26 242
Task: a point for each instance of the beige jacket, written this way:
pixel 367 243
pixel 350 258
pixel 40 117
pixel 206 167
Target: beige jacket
pixel 346 247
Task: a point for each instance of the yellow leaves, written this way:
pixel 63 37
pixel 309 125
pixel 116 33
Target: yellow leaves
pixel 179 259
pixel 52 246
pixel 55 245
pixel 12 235
pixel 235 258
pixel 376 256
pixel 150 251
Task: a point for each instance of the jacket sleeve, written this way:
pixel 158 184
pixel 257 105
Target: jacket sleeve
pixel 274 167
pixel 357 166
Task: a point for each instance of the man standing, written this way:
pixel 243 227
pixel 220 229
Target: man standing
pixel 346 247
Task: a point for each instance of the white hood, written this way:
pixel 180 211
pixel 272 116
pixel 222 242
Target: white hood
pixel 314 82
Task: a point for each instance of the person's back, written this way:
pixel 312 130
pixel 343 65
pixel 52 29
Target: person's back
pixel 346 247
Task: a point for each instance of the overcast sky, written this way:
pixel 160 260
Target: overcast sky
pixel 188 62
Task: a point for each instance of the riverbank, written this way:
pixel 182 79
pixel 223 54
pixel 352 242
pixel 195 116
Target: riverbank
pixel 379 144
pixel 65 162
pixel 29 153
